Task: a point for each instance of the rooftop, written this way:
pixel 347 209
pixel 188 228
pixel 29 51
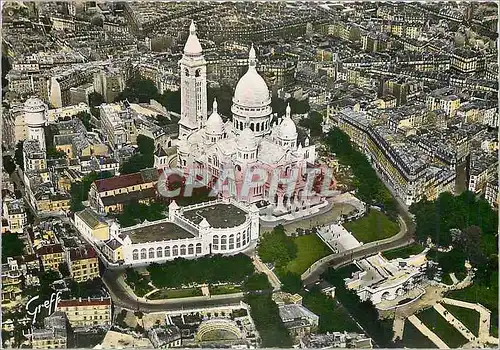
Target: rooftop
pixel 163 231
pixel 217 215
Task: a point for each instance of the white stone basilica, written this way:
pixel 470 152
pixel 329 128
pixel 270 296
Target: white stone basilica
pixel 254 137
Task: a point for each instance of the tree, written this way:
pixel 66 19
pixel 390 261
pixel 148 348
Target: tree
pixel 136 163
pixel 53 153
pixel 135 213
pixel 95 100
pixel 12 246
pixel 142 160
pixel 276 247
pixel 314 123
pixel 257 282
pixel 85 118
pixel 138 91
pixel 292 282
pixel 171 100
pixel 6 66
pixel 80 190
pixel 8 164
pixel 265 314
pixel 18 155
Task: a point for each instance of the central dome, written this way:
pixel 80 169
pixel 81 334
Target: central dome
pixel 251 90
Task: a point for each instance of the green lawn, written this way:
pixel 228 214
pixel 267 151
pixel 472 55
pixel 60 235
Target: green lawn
pixel 413 338
pixel 404 252
pixel 175 293
pixel 332 316
pixel 310 248
pixel 469 317
pixel 446 279
pixel 484 295
pixel 373 227
pixel 436 323
pixel 225 289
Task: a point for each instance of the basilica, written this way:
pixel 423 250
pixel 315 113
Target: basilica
pixel 253 138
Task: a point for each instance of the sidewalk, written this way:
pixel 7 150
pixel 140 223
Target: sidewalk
pixel 427 332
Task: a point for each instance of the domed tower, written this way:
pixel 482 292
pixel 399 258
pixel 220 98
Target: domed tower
pixel 35 113
pixel 252 100
pixel 214 128
pixel 193 70
pixel 287 132
pixel 247 146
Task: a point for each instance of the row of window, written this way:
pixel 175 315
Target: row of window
pixel 226 242
pixel 263 126
pixel 166 252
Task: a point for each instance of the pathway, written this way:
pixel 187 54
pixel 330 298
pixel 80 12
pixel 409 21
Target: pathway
pixel 271 276
pixel 484 320
pixel 455 322
pixel 398 327
pixel 427 332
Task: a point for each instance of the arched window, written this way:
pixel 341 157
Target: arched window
pixel 244 238
pixel 251 127
pixel 238 240
pixel 223 243
pixel 143 253
pixel 257 127
pixel 231 242
pixel 215 243
pixel 159 252
pixel 187 72
pixel 198 248
pixel 151 253
pixel 175 250
pixel 135 254
pixel 190 249
pixel 263 127
pixel 167 252
pixel 183 249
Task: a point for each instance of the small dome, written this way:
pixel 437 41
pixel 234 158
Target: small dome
pixel 34 110
pixel 215 125
pixel 252 90
pixel 247 140
pixel 288 130
pixel 193 46
pixel 34 104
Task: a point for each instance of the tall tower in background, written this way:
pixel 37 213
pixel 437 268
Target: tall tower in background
pixel 193 70
pixel 36 118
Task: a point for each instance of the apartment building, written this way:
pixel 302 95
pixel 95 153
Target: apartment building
pixel 15 213
pixel 87 312
pixel 51 256
pixel 83 263
pixel 410 173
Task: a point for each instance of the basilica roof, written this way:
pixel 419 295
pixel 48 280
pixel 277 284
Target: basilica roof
pixel 251 90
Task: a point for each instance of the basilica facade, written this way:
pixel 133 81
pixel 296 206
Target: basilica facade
pixel 253 138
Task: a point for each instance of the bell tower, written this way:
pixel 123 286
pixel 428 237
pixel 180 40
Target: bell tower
pixel 193 70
